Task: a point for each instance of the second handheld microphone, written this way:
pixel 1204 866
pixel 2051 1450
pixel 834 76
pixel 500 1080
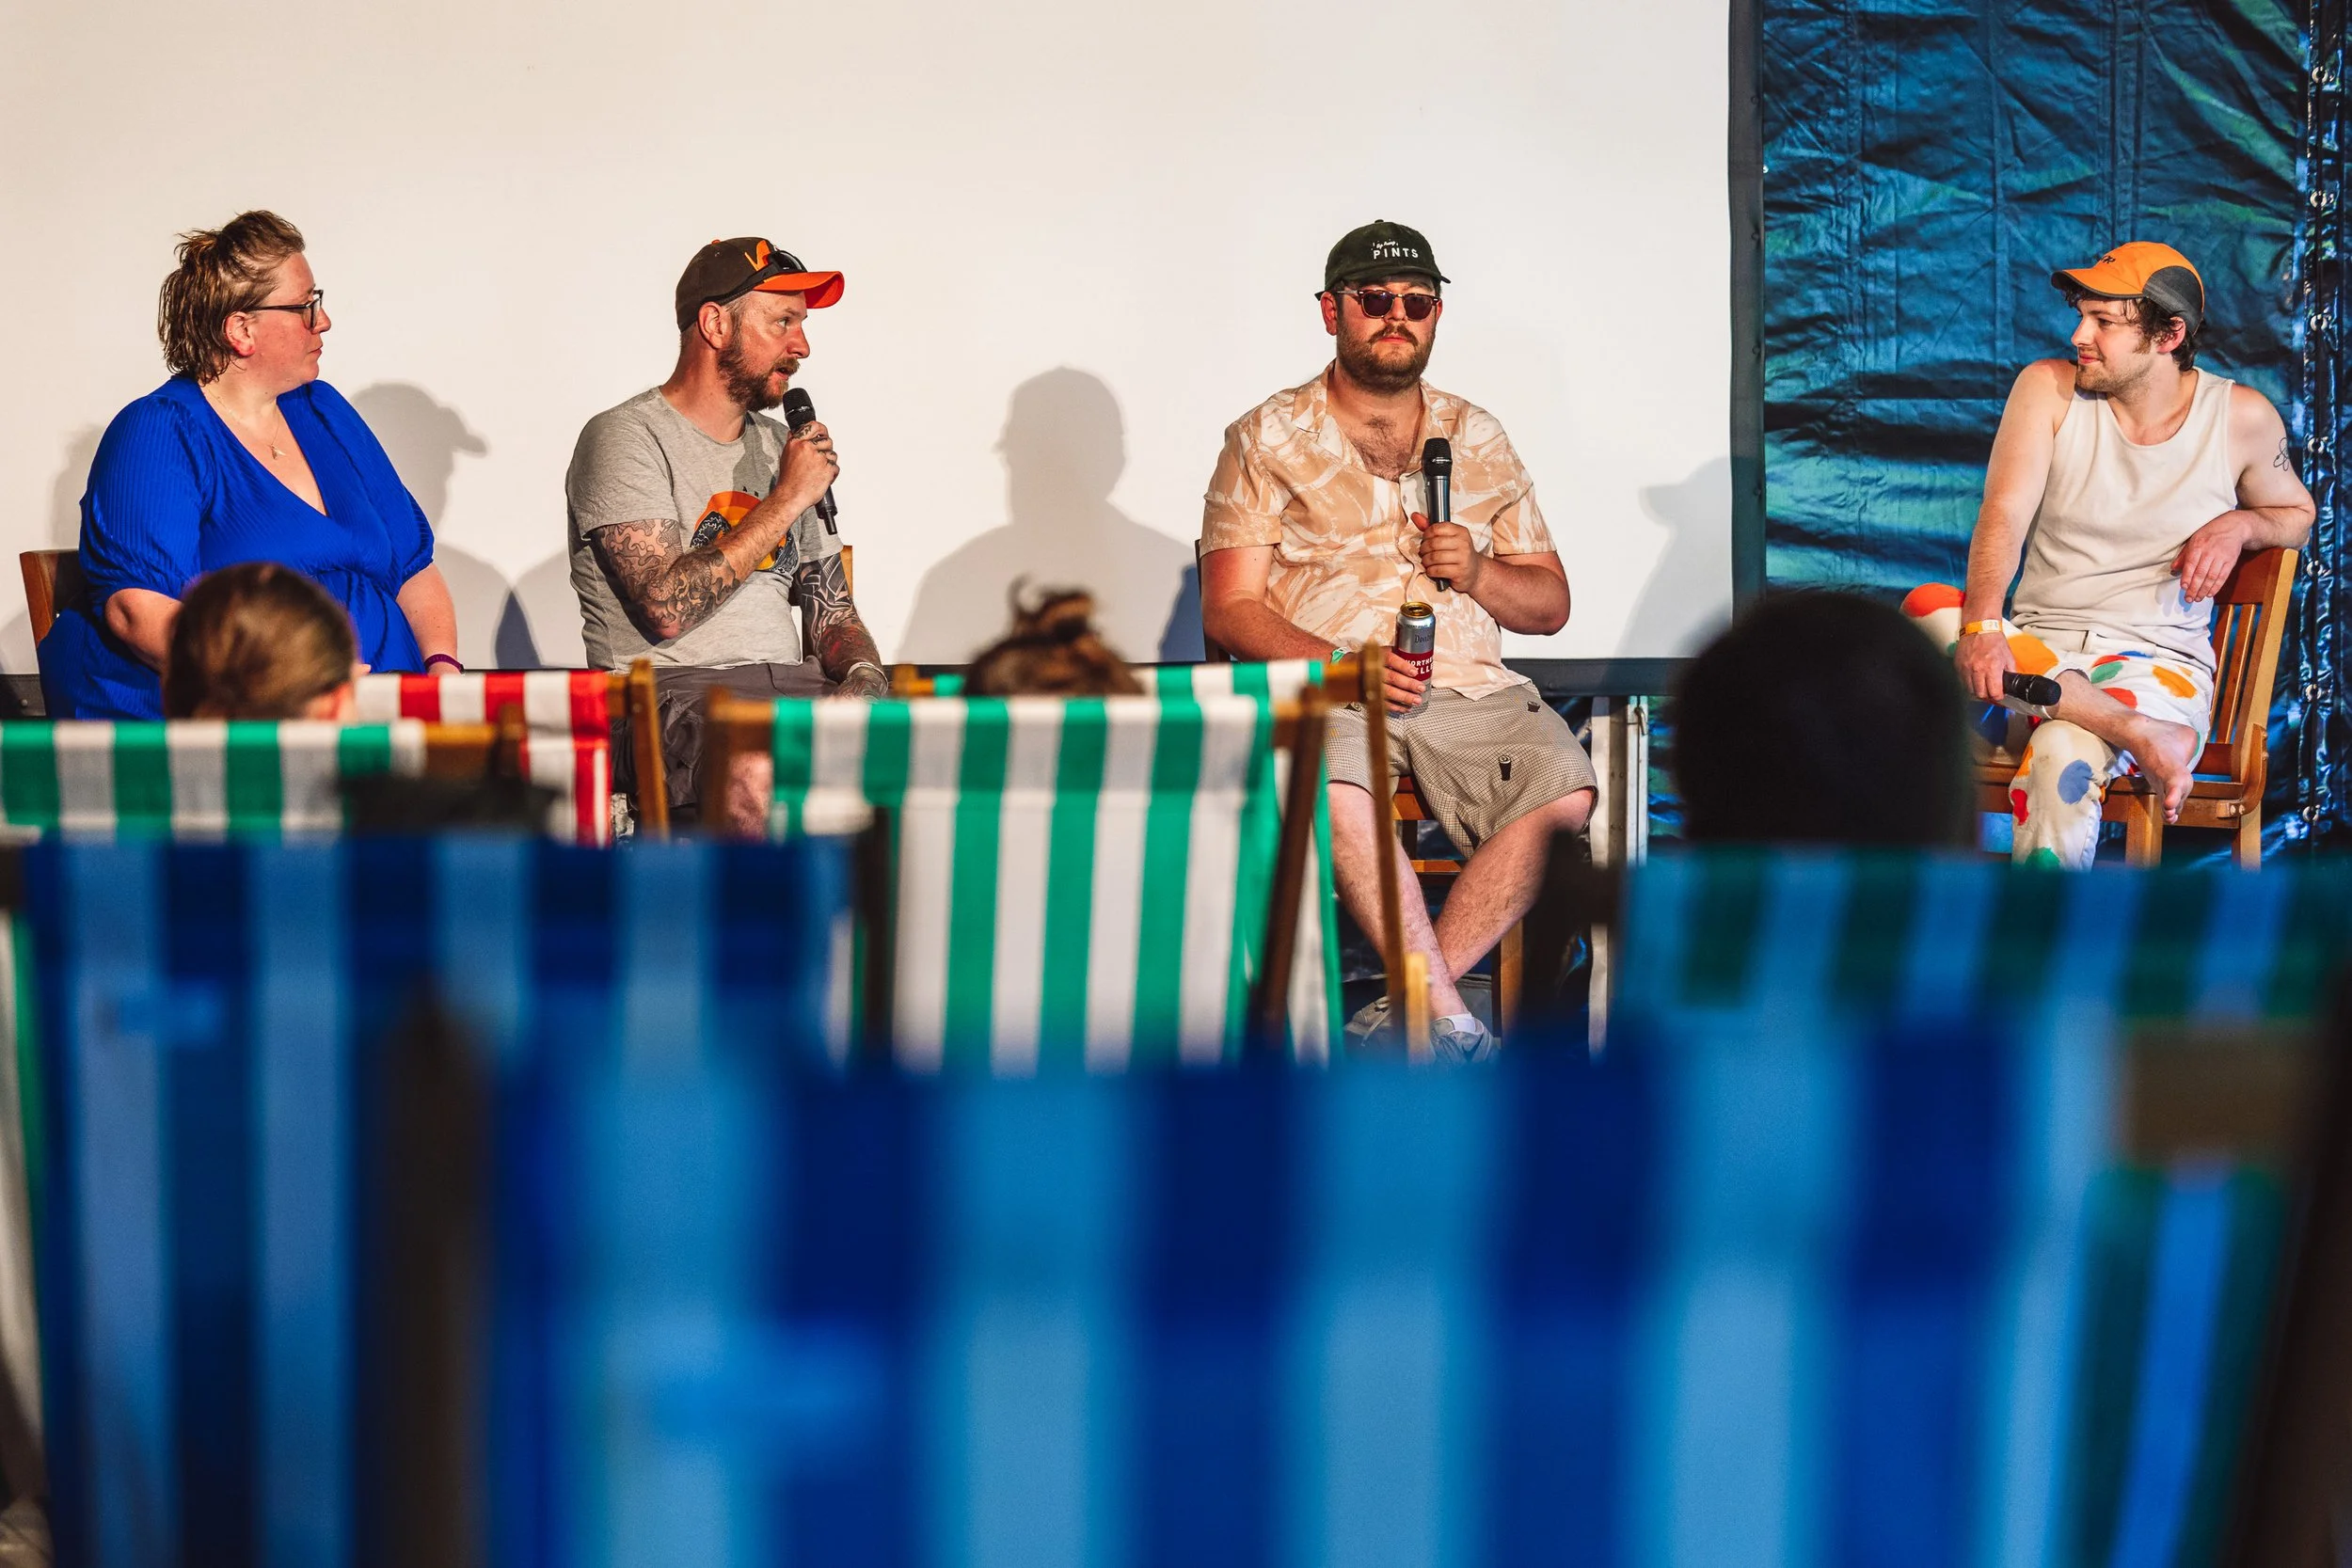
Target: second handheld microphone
pixel 800 411
pixel 1436 472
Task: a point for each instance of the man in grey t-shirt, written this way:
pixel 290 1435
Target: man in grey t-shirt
pixel 695 536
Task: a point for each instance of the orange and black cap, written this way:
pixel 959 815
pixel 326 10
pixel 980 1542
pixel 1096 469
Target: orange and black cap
pixel 729 269
pixel 2142 270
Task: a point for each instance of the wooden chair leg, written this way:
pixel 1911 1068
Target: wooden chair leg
pixel 2249 839
pixel 1510 963
pixel 1415 983
pixel 2143 830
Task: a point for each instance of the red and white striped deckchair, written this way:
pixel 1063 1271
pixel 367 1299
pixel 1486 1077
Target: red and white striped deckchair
pixel 568 718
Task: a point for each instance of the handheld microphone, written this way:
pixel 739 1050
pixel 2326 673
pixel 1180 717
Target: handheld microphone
pixel 800 411
pixel 2039 693
pixel 1436 472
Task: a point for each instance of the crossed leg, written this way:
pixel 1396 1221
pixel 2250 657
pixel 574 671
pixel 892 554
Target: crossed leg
pixel 1496 889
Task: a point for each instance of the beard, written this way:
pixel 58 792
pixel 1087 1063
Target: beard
pixel 2106 378
pixel 747 384
pixel 1375 371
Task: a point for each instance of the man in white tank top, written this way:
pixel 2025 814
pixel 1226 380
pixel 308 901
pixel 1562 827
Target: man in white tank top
pixel 2130 483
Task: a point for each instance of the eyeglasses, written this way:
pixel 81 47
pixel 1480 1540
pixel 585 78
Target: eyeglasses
pixel 309 310
pixel 1377 303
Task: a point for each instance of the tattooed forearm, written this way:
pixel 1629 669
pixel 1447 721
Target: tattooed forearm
pixel 669 590
pixel 835 629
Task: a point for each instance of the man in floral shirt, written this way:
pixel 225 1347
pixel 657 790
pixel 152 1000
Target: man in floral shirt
pixel 1316 531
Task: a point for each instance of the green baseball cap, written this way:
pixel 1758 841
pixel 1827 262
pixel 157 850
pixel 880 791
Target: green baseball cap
pixel 1380 250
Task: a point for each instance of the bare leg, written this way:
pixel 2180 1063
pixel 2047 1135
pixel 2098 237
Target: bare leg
pixel 1355 840
pixel 749 784
pixel 1499 885
pixel 2166 752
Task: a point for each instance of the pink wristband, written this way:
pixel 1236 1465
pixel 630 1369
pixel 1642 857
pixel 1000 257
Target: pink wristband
pixel 450 660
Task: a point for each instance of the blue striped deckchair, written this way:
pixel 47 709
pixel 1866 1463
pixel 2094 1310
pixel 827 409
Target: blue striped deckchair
pixel 1761 1297
pixel 1803 1293
pixel 1078 880
pixel 1734 934
pixel 192 777
pixel 210 1013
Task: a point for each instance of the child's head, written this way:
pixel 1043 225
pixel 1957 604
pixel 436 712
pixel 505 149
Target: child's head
pixel 260 640
pixel 1051 651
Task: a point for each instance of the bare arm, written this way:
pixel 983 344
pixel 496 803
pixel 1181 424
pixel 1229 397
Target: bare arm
pixel 1235 614
pixel 845 649
pixel 2273 509
pixel 669 589
pixel 431 614
pixel 142 618
pixel 1236 617
pixel 2014 482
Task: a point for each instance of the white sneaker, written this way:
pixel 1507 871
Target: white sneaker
pixel 1476 1043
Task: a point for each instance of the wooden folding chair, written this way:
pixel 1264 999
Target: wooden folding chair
pixel 2249 620
pixel 51 577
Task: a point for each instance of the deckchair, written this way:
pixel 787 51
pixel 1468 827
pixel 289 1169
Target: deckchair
pixel 1812 1287
pixel 200 778
pixel 568 717
pixel 1090 879
pixel 1738 936
pixel 224 1369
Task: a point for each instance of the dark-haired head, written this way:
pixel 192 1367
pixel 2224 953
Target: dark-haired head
pixel 1827 719
pixel 259 640
pixel 1052 649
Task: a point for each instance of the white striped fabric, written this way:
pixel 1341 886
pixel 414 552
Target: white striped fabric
pixel 554 702
pixel 1081 881
pixel 193 778
pixel 568 744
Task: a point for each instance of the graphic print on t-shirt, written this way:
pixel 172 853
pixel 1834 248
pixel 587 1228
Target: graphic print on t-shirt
pixel 724 512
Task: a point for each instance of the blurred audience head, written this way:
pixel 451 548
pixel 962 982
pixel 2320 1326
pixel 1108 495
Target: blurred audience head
pixel 1825 719
pixel 260 640
pixel 1051 651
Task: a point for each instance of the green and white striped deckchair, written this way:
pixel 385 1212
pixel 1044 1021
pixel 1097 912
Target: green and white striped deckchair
pixel 1739 935
pixel 1079 881
pixel 193 778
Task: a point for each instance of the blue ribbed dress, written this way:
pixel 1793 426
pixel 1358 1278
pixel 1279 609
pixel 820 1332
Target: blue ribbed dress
pixel 173 493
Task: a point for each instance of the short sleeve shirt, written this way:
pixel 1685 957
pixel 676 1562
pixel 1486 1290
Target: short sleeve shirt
pixel 646 462
pixel 1346 555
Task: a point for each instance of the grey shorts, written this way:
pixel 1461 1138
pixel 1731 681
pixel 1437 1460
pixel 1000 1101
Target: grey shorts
pixel 1479 763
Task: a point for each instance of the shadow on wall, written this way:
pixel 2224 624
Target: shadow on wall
pixel 424 438
pixel 1680 609
pixel 1064 447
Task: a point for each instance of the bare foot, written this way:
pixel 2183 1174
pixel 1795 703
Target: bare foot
pixel 2166 755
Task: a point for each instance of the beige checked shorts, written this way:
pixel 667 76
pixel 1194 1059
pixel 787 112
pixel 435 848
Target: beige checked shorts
pixel 1481 763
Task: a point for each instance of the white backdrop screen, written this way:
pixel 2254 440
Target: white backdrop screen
pixel 1080 238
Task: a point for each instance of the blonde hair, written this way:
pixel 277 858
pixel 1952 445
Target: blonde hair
pixel 255 640
pixel 221 271
pixel 1052 650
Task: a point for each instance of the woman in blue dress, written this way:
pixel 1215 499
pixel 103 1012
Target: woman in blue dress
pixel 245 455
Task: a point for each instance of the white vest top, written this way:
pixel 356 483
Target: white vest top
pixel 2113 517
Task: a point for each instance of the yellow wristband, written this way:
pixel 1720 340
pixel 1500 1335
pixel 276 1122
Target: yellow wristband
pixel 1975 627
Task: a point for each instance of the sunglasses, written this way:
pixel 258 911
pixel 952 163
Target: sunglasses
pixel 1377 303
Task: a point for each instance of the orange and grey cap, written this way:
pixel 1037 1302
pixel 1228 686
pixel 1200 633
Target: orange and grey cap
pixel 729 269
pixel 2142 269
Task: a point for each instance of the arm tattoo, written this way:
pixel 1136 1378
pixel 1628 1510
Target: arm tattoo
pixel 2280 461
pixel 669 589
pixel 834 631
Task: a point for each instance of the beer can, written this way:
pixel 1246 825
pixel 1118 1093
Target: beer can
pixel 1417 636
